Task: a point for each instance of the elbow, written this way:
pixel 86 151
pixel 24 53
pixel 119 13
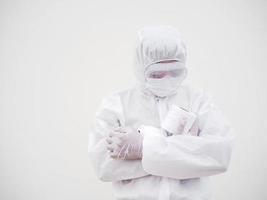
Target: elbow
pixel 222 169
pixel 219 169
pixel 223 161
pixel 101 173
pixel 211 171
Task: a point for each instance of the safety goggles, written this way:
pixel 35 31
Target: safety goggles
pixel 161 70
pixel 162 74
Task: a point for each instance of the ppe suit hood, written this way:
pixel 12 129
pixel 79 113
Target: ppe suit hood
pixel 155 44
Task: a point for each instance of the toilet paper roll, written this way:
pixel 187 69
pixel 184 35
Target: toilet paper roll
pixel 178 120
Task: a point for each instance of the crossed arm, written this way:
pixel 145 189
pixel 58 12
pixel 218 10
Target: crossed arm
pixel 178 156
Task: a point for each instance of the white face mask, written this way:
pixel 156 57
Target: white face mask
pixel 162 87
pixel 167 85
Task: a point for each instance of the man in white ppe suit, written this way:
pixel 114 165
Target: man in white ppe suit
pixel 160 139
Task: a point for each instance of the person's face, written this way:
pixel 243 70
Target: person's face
pixel 159 74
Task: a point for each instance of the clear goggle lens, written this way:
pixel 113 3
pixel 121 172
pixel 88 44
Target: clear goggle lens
pixel 162 74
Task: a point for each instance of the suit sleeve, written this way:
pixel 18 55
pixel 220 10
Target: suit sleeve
pixel 109 116
pixel 186 156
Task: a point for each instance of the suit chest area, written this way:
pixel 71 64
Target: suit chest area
pixel 149 111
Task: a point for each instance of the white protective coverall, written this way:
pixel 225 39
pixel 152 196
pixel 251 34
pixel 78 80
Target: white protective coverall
pixel 172 167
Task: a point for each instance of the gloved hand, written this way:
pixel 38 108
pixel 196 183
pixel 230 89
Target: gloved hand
pixel 125 143
pixel 194 130
pixel 178 120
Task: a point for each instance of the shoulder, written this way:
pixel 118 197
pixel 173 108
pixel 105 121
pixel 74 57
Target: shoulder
pixel 115 96
pixel 198 97
pixel 194 91
pixel 112 102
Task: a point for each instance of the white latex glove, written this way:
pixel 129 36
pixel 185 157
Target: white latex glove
pixel 194 130
pixel 125 143
pixel 178 121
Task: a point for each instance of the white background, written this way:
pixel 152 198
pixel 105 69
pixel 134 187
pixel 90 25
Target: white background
pixel 58 59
